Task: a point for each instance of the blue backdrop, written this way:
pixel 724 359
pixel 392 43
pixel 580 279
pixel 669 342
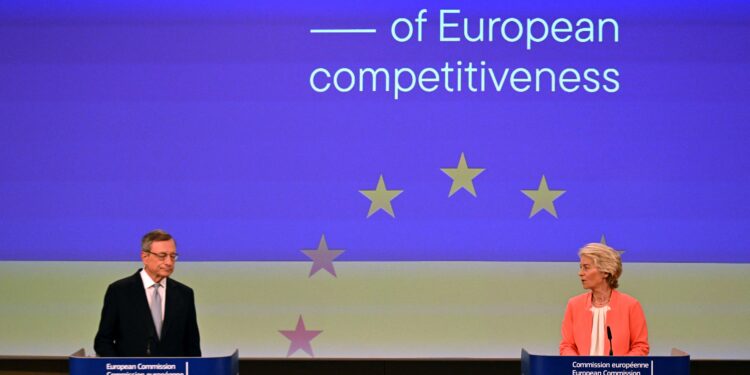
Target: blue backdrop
pixel 117 118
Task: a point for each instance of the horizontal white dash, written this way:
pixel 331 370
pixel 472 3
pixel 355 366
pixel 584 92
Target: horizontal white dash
pixel 342 31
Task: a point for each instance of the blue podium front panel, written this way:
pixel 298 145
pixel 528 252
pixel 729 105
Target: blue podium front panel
pixel 155 365
pixel 588 365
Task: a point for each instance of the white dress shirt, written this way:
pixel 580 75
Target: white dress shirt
pixel 598 330
pixel 148 286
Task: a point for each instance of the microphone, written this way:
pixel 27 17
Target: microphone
pixel 609 336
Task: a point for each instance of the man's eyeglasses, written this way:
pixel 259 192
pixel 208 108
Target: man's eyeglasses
pixel 163 256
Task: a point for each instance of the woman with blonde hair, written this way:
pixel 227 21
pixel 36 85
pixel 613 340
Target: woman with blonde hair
pixel 603 315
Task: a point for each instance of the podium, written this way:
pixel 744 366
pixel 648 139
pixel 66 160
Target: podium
pixel 79 364
pixel 676 364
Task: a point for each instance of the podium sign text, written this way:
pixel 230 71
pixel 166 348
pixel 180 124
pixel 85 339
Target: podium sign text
pixel 155 365
pixel 587 365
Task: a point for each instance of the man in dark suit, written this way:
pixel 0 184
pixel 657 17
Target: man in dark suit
pixel 149 314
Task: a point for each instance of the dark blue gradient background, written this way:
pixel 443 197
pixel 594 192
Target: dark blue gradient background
pixel 198 118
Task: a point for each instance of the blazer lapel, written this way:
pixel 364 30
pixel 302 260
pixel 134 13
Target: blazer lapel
pixel 614 313
pixel 588 322
pixel 141 303
pixel 170 308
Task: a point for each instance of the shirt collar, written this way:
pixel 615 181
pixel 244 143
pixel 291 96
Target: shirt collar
pixel 148 282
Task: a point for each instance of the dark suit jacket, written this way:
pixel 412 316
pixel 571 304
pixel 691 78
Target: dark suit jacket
pixel 126 328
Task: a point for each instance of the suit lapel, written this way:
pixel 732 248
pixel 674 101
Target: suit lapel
pixel 170 307
pixel 588 322
pixel 141 303
pixel 614 314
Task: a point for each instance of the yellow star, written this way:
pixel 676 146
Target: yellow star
pixel 543 198
pixel 604 242
pixel 462 176
pixel 381 198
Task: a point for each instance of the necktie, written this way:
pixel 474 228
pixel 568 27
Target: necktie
pixel 156 309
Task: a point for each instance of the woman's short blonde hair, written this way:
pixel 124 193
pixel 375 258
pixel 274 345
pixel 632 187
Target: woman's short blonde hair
pixel 606 259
